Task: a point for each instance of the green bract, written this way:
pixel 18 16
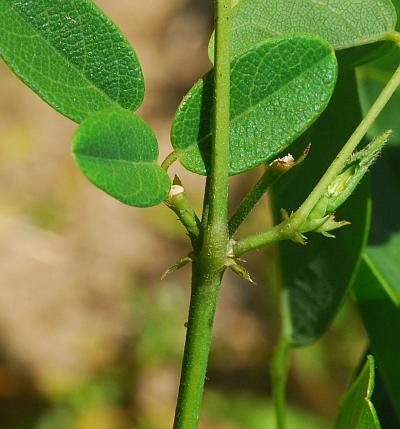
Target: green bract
pixel 343 23
pixel 70 54
pixel 117 152
pixel 357 410
pixel 278 89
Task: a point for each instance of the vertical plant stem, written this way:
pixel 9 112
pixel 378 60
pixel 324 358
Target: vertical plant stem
pixel 279 367
pixel 210 261
pixel 203 300
pixel 279 376
pixel 218 177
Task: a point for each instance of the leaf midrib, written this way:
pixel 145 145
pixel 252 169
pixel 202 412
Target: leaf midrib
pixel 117 160
pixel 253 107
pixel 65 59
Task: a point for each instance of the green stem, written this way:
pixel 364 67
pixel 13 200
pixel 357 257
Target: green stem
pixel 394 36
pixel 206 207
pixel 198 338
pixel 256 241
pixel 251 199
pixel 272 173
pixel 170 159
pixel 280 364
pixel 279 369
pixel 179 203
pixel 218 178
pixel 211 258
pixel 288 228
pixel 337 165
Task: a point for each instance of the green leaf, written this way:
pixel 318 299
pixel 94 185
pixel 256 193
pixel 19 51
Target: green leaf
pixel 117 152
pixel 377 286
pixel 381 319
pixel 342 23
pixel 278 89
pixel 397 6
pixel 357 410
pixel 383 249
pixel 383 403
pixel 315 287
pixel 371 79
pixel 71 55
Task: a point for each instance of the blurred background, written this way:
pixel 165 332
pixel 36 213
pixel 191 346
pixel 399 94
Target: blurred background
pixel 90 337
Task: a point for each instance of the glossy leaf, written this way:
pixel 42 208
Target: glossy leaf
pixel 371 79
pixel 383 403
pixel 71 55
pixel 381 319
pixel 383 249
pixel 357 410
pixel 315 287
pixel 278 89
pixel 397 7
pixel 117 152
pixel 343 23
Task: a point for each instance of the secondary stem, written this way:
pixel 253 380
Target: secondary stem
pixel 279 376
pixel 210 261
pixel 286 229
pixel 337 165
pixel 279 364
pixel 272 173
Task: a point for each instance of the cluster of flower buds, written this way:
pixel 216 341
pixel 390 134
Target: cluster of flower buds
pixel 322 218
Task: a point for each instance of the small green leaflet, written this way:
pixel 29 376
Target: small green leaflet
pixel 278 89
pixel 116 151
pixel 71 55
pixel 343 23
pixel 357 410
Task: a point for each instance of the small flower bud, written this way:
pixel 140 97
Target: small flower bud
pixel 346 182
pixel 343 186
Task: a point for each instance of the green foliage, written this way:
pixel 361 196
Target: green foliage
pixel 371 79
pixel 381 317
pixel 71 55
pixel 357 410
pixel 384 242
pixel 314 285
pixel 281 81
pixel 117 152
pixel 377 285
pixel 278 89
pixel 342 23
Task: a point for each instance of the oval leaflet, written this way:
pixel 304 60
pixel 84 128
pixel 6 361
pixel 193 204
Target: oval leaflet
pixel 278 89
pixel 116 151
